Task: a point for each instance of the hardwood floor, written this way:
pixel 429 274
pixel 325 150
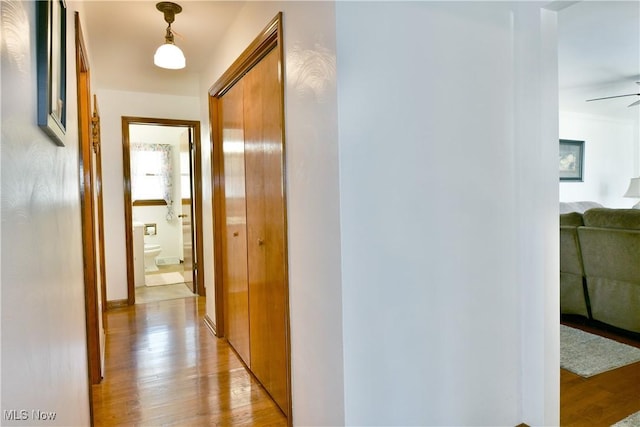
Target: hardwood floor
pixel 603 399
pixel 164 367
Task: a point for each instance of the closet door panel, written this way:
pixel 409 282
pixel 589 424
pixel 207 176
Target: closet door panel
pixel 235 274
pixel 266 226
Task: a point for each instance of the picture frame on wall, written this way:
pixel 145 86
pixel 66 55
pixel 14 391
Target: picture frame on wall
pixel 51 46
pixel 571 165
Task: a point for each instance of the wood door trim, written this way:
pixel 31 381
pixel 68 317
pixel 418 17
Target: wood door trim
pixel 86 202
pixel 217 185
pixel 128 213
pixel 196 198
pixel 86 205
pixel 117 303
pixel 197 220
pixel 271 37
pixel 150 202
pixel 97 147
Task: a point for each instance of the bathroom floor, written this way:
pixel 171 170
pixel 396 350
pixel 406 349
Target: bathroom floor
pixel 145 294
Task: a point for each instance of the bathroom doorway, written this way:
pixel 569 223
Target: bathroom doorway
pixel 163 213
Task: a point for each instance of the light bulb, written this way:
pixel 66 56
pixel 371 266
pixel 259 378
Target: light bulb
pixel 169 56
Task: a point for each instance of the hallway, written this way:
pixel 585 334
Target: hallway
pixel 164 367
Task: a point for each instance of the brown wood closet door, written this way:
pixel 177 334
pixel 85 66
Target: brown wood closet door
pixel 236 290
pixel 266 226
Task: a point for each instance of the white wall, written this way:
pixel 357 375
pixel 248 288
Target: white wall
pixel 448 213
pixel 44 358
pixel 168 233
pixel 480 336
pixel 636 145
pixel 610 158
pixel 448 296
pixel 312 196
pixel 114 105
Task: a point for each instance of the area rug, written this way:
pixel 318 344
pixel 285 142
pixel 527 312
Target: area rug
pixel 631 421
pixel 145 294
pixel 163 279
pixel 587 354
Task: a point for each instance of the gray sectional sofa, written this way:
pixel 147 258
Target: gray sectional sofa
pixel 600 266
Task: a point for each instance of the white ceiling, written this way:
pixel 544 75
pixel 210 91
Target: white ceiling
pixel 598 56
pixel 123 36
pixel 599 49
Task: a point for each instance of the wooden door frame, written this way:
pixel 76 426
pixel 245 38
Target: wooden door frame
pixel 86 204
pixel 196 198
pixel 87 212
pixel 270 38
pixel 97 148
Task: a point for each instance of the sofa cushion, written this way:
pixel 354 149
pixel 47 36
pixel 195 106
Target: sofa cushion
pixel 580 207
pixel 626 219
pixel 616 303
pixel 611 253
pixel 570 256
pixel 571 219
pixel 572 298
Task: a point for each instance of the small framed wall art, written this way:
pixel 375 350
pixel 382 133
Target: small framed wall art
pixel 51 46
pixel 571 160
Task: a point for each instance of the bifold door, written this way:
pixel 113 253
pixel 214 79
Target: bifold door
pixel 254 246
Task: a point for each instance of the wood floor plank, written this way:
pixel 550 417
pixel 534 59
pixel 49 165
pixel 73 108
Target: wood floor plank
pixel 604 399
pixel 164 368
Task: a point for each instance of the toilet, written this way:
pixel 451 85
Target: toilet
pixel 151 251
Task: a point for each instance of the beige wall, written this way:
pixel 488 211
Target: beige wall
pixel 44 361
pixel 113 105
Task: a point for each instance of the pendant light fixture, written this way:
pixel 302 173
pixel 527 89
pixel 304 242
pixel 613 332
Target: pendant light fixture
pixel 169 55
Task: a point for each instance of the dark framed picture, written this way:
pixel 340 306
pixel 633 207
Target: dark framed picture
pixel 571 160
pixel 51 46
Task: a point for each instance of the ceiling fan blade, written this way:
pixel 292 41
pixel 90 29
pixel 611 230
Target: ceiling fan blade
pixel 611 97
pixel 635 103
